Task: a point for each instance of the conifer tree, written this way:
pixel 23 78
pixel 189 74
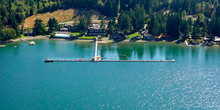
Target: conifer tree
pixel 53 25
pixel 83 24
pixel 39 27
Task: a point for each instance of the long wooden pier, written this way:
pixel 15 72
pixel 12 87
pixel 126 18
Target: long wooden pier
pixel 51 60
pixel 97 58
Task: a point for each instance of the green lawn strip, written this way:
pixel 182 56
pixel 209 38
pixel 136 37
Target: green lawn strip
pixel 75 33
pixel 23 36
pixel 130 36
pixel 87 37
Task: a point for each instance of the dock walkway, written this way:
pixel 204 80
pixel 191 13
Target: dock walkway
pixel 51 60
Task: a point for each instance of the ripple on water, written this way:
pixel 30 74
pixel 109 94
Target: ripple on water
pixel 191 88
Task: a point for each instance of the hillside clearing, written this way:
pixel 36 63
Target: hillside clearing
pixel 60 16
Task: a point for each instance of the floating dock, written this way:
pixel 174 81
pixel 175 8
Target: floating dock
pixel 51 60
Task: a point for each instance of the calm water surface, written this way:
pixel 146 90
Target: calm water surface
pixel 26 82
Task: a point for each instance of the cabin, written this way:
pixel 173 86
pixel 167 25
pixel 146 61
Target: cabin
pixel 96 30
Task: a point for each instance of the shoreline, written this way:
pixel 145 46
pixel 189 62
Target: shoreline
pixel 103 41
pixel 20 39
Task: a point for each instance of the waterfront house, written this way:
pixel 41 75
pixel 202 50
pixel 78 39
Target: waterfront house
pixel 71 26
pixel 217 39
pixel 97 30
pixel 117 35
pixel 206 38
pixel 148 37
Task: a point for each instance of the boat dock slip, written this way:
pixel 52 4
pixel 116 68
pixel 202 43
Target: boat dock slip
pixel 51 60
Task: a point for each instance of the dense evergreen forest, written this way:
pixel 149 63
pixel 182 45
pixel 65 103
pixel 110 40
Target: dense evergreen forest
pixel 166 17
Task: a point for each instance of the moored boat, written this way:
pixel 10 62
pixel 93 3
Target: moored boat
pixel 32 43
pixel 48 60
pixel 1 46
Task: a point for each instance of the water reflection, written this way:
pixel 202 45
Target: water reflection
pixel 105 49
pixel 139 50
pixel 158 51
pixel 83 45
pixel 124 50
pixel 151 50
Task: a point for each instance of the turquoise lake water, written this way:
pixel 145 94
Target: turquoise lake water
pixel 26 82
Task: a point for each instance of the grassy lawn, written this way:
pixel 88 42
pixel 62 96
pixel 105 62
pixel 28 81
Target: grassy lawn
pixel 23 36
pixel 75 33
pixel 87 37
pixel 39 35
pixel 133 35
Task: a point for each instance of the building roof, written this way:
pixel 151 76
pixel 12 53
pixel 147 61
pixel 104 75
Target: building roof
pixel 217 39
pixel 96 26
pixel 191 16
pixel 64 29
pixel 62 35
pixel 206 38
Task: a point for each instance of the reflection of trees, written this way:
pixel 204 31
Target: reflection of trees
pixel 210 53
pixel 173 51
pixel 124 49
pixel 182 51
pixel 139 50
pixel 194 53
pixel 151 49
pixel 86 49
pixel 105 48
pixel 207 53
pixel 83 45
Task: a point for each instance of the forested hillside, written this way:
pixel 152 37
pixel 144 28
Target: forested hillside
pixel 133 14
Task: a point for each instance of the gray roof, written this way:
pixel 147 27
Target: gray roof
pixel 96 26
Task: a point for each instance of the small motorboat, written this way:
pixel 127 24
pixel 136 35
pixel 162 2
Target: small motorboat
pixel 48 60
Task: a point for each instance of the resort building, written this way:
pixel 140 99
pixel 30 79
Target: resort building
pixel 63 33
